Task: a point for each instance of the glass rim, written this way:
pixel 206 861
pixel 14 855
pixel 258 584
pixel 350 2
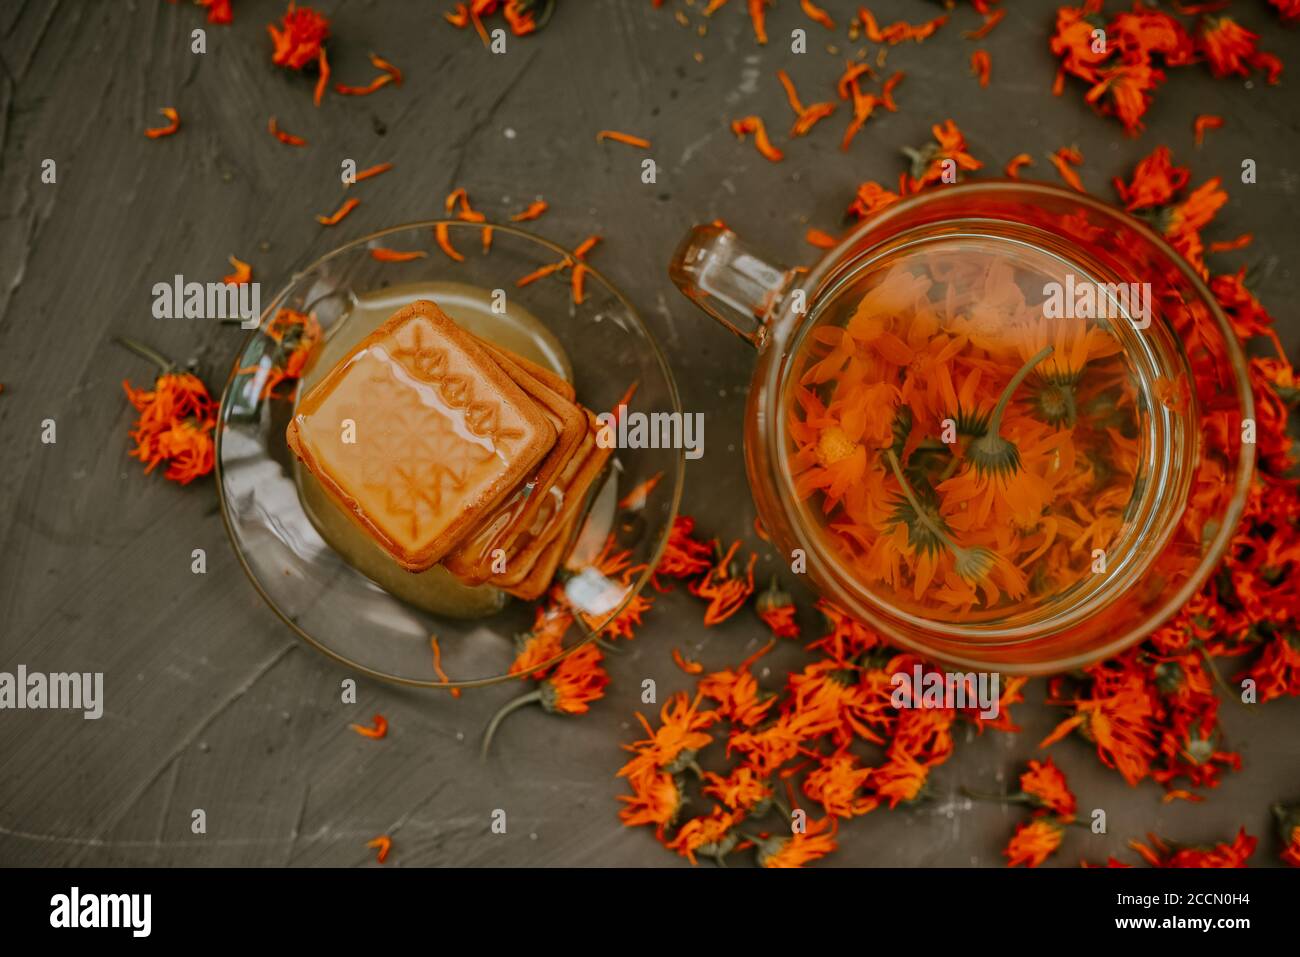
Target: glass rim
pixel 968 637
pixel 679 459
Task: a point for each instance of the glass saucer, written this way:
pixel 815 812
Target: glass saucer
pixel 340 611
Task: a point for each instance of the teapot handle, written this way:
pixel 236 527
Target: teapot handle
pixel 719 273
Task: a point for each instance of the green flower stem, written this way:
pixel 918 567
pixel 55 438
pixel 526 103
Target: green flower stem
pixel 921 515
pixel 995 421
pixel 164 364
pixel 533 697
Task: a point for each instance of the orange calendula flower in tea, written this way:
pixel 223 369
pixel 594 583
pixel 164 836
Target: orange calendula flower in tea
pixel 288 139
pixel 754 124
pixel 297 41
pixel 382 844
pixel 1033 843
pixel 173 124
pixel 1222 855
pixel 378 728
pixel 981 65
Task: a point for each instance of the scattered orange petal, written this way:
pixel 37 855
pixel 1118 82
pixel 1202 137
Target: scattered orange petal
pixel 381 64
pixel 323 80
pixel 288 139
pixel 690 667
pixel 754 124
pixel 1228 245
pixel 1065 159
pixel 242 274
pixel 437 664
pixel 386 255
pixel 1204 122
pixel 981 65
pixel 174 124
pixel 816 14
pixel 442 234
pixel 1013 165
pixel 336 217
pixel 626 138
pixel 378 83
pixel 815 237
pixel 384 844
pixel 534 210
pixel 991 20
pixel 635 500
pixel 370 171
pixel 378 729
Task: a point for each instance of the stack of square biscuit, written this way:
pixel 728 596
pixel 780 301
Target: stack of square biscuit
pixel 447 448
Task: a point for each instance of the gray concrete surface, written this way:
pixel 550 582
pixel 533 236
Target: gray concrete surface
pixel 211 703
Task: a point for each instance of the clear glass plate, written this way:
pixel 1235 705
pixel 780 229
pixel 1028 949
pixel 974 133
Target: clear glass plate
pixel 333 606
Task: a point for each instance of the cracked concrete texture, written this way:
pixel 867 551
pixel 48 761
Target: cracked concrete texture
pixel 211 704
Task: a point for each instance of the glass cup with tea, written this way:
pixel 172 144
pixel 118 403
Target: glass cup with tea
pixel 1002 423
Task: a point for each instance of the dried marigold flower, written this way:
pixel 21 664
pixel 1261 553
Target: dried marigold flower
pixel 297 41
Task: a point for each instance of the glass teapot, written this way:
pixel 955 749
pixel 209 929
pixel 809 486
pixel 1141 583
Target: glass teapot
pixel 1004 424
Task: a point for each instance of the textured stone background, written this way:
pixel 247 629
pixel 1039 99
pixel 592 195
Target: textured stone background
pixel 211 702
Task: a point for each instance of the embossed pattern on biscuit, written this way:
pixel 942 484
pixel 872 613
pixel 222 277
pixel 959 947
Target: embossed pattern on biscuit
pixel 411 436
